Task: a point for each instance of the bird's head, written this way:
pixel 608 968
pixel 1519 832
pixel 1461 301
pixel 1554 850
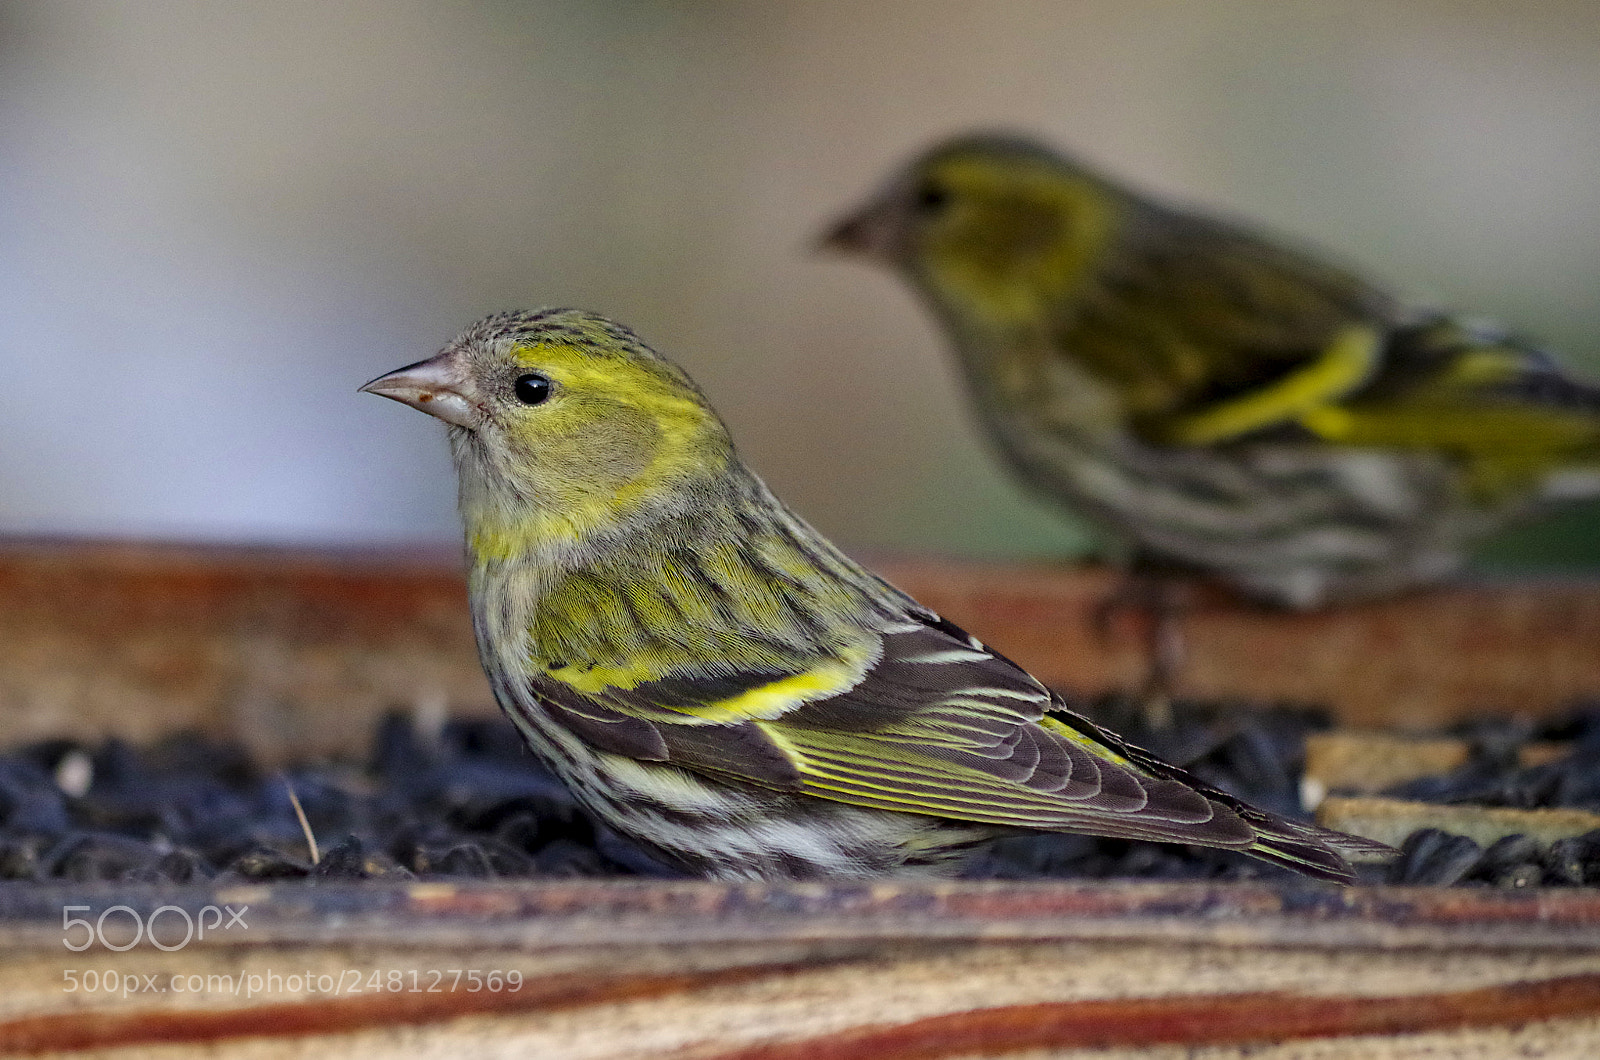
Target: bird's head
pixel 994 228
pixel 563 424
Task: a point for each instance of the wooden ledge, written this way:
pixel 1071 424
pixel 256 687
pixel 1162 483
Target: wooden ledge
pixel 296 650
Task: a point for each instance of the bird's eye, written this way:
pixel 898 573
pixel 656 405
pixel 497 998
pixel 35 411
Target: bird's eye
pixel 531 389
pixel 931 198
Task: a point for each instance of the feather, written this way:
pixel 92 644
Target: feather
pixel 940 725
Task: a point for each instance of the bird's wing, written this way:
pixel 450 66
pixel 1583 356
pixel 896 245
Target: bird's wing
pixel 1505 410
pixel 1209 332
pixel 1230 336
pixel 934 723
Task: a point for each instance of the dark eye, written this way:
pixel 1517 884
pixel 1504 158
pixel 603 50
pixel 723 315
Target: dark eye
pixel 931 198
pixel 531 389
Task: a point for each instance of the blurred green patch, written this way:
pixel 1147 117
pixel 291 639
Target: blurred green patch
pixel 1568 540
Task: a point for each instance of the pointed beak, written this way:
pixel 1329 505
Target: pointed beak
pixel 433 386
pixel 868 232
pixel 852 236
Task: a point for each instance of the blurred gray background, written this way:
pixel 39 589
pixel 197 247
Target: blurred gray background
pixel 217 220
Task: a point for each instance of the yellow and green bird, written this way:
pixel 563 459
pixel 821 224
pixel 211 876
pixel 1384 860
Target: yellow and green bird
pixel 1215 400
pixel 715 680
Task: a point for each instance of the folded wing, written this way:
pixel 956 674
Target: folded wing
pixel 936 724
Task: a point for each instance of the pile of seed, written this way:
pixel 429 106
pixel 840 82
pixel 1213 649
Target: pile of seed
pixel 469 802
pixel 1492 777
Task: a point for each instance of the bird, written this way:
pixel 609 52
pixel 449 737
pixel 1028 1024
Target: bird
pixel 716 681
pixel 1219 402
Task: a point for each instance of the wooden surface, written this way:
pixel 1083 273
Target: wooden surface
pixel 1416 662
pixel 293 651
pixel 701 971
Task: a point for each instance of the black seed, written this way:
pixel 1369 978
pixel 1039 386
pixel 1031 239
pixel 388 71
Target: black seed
pixel 1574 861
pixel 183 866
pixel 507 860
pixel 1508 852
pixel 464 859
pixel 265 863
pixel 1435 858
pixel 350 858
pixel 475 804
pixel 37 811
pixel 519 830
pixel 89 856
pixel 1527 874
pixel 566 858
pixel 344 858
pixel 630 857
pixel 396 754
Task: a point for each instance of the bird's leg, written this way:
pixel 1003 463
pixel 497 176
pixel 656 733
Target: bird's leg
pixel 1156 594
pixel 1166 651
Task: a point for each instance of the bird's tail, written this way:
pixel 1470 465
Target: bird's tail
pixel 1318 852
pixel 1450 354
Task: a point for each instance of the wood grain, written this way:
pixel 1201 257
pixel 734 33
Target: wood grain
pixel 297 651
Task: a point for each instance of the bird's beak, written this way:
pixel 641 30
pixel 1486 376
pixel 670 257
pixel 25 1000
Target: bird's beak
pixel 433 386
pixel 869 232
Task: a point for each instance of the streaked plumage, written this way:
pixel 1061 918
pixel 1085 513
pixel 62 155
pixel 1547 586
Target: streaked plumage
pixel 714 679
pixel 1213 399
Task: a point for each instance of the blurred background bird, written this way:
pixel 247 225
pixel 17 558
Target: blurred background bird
pixel 717 681
pixel 1216 400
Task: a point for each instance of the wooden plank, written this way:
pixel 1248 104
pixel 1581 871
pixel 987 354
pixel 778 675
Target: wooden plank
pixel 607 970
pixel 618 913
pixel 1415 662
pixel 1392 820
pixel 296 651
pixel 978 1000
pixel 1352 760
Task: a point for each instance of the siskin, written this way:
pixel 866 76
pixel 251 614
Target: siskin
pixel 1215 401
pixel 715 680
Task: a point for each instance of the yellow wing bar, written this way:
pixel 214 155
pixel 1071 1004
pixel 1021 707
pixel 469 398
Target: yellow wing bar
pixel 1347 363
